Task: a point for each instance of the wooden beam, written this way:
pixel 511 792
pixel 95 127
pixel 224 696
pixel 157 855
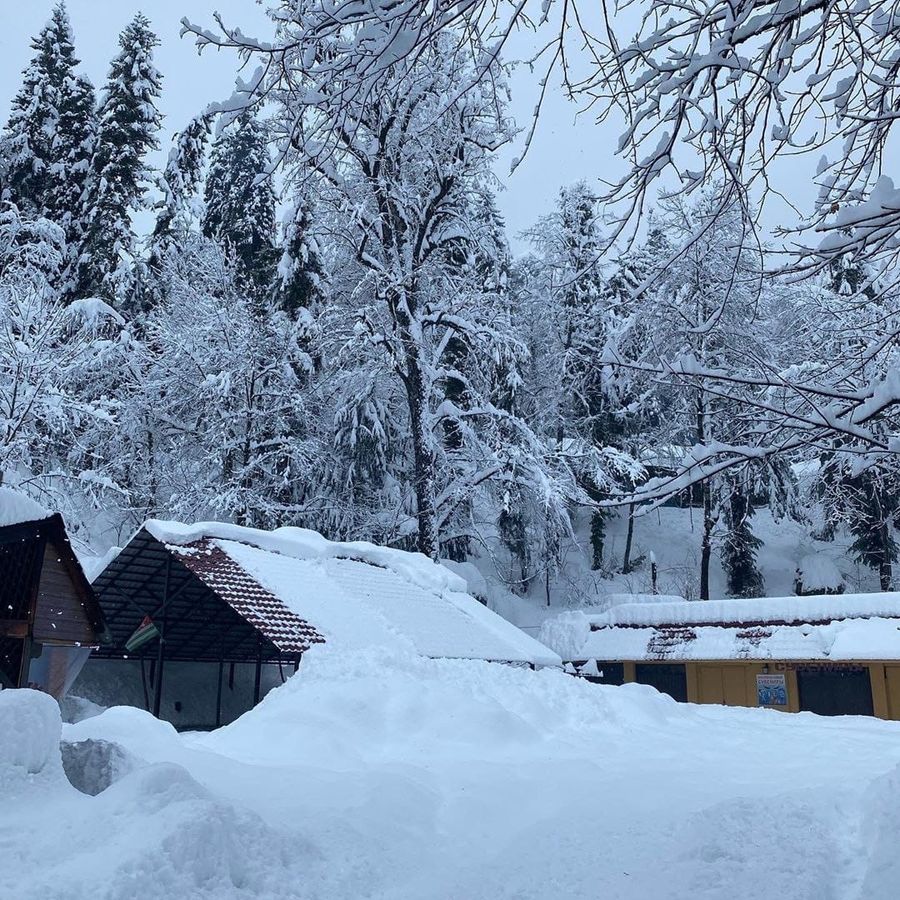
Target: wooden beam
pixel 14 628
pixel 161 652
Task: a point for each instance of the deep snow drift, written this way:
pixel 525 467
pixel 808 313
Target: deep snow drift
pixel 385 775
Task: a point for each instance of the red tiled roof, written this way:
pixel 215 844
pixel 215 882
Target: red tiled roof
pixel 249 599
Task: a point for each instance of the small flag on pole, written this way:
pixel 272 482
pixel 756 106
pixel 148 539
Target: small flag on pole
pixel 146 631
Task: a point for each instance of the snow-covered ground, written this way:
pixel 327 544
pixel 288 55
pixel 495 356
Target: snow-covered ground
pixel 382 775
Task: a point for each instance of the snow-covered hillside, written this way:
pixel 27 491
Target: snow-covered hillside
pixel 672 536
pixel 398 777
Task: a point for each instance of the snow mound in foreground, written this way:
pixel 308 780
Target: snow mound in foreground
pixel 151 831
pixel 374 705
pixel 30 726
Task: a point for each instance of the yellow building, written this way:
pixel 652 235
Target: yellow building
pixel 832 655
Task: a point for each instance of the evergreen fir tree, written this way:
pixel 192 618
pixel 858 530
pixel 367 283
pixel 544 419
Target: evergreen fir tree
pixel 872 507
pixel 128 125
pixel 740 546
pixel 301 273
pixel 240 202
pixel 75 144
pixel 49 138
pixel 178 184
pixel 32 147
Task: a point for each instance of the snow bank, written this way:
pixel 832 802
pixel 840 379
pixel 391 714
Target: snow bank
pixel 134 728
pixel 374 775
pixel 30 726
pixel 341 710
pixel 16 507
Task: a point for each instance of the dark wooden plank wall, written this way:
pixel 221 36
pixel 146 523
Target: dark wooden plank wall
pixel 60 614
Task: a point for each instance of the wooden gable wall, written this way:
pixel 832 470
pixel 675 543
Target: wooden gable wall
pixel 60 613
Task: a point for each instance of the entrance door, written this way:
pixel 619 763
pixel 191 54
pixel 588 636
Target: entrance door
pixel 667 678
pixel 892 677
pixel 836 692
pixel 723 684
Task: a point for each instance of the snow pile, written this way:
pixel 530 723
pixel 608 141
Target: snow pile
pixel 151 831
pixel 16 507
pixel 373 775
pixel 818 572
pixel 567 634
pixel 377 706
pixel 30 725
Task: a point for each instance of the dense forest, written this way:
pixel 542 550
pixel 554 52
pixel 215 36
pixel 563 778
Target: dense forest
pixel 334 332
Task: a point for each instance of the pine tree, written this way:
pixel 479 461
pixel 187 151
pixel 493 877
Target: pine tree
pixel 32 142
pixel 571 244
pixel 240 202
pixel 741 546
pixel 75 144
pixel 872 507
pixel 301 273
pixel 128 125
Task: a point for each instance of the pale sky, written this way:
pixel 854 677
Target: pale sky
pixel 562 152
pixel 565 149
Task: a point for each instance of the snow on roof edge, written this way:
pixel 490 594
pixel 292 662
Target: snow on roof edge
pixel 16 508
pixel 303 543
pixel 813 608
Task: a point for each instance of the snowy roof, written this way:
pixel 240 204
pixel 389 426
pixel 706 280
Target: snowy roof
pixel 851 626
pixel 261 608
pixel 16 508
pixel 355 594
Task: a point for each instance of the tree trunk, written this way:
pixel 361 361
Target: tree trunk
pixel 706 488
pixel 885 568
pixel 423 464
pixel 706 544
pixel 598 535
pixel 626 561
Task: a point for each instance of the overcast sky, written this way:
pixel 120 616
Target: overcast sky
pixel 562 152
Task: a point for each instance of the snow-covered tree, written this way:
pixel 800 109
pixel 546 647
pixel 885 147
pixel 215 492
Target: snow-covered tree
pixel 47 349
pixel 740 544
pixel 32 142
pixel 240 202
pixel 577 315
pixel 128 124
pixel 708 310
pixel 232 423
pixel 301 272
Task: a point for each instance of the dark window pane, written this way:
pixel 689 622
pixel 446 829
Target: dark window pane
pixel 835 692
pixel 667 678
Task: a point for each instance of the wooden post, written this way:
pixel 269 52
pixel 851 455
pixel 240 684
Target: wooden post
pixel 160 657
pixel 219 692
pixel 257 680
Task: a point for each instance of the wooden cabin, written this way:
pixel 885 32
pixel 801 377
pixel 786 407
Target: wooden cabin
pixel 205 618
pixel 49 617
pixel 827 654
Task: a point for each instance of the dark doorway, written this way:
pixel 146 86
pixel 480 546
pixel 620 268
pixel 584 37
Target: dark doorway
pixel 835 692
pixel 667 678
pixel 11 651
pixel 610 673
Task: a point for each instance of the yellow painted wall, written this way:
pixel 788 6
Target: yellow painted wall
pixel 733 683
